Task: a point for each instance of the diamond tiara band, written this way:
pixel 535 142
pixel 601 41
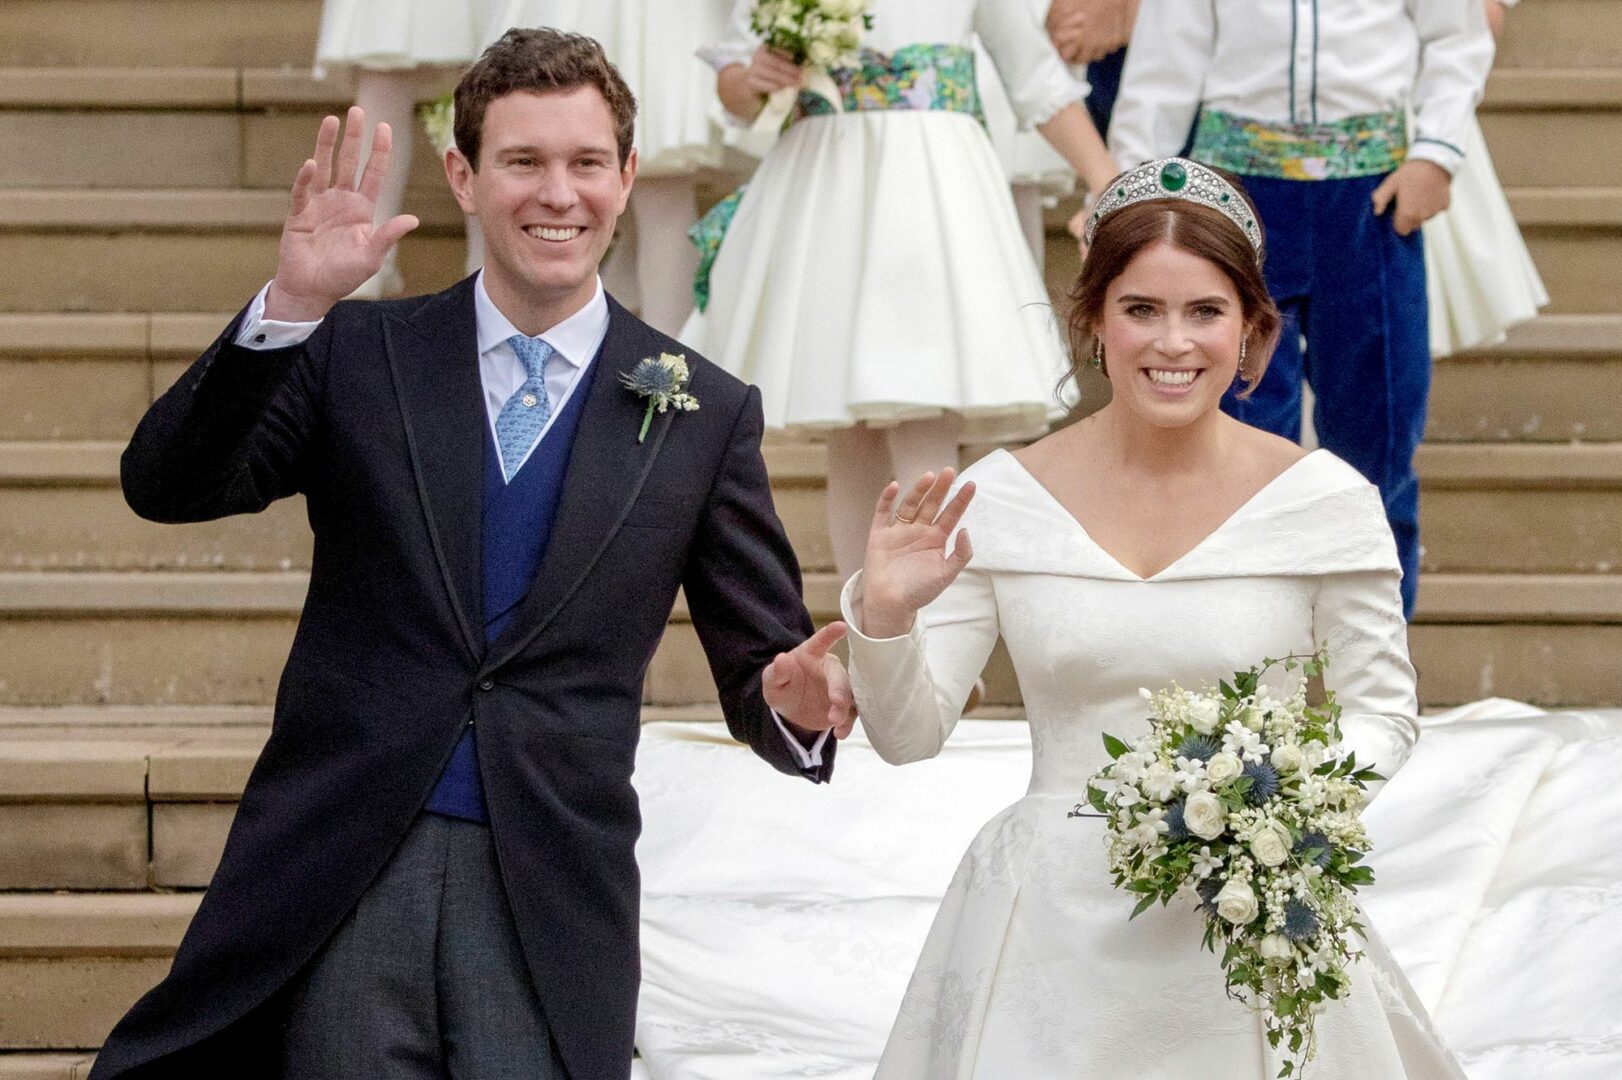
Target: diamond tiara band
pixel 1176 178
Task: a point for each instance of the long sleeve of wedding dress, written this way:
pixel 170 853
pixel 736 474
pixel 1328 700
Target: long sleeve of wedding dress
pixel 915 685
pixel 1359 617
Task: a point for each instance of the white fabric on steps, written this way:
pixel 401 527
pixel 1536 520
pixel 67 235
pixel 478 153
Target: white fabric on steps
pixel 781 921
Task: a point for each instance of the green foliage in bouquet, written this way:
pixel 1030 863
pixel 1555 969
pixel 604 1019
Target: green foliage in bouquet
pixel 1243 803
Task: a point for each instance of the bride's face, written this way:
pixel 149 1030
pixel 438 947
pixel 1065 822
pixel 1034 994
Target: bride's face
pixel 1172 325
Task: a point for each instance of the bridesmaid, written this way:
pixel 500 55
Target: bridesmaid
pixel 396 50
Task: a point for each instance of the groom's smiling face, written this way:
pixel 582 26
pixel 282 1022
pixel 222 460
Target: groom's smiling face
pixel 548 191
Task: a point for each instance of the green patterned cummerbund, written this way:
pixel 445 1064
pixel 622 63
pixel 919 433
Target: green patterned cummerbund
pixel 938 78
pixel 1368 145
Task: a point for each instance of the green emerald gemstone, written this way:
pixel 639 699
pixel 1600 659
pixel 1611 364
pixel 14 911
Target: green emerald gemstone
pixel 1225 196
pixel 1173 176
pixel 1120 193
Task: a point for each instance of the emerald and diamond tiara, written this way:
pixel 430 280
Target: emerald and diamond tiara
pixel 1176 178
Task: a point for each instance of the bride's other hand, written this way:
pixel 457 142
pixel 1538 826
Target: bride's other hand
pixel 770 71
pixel 907 563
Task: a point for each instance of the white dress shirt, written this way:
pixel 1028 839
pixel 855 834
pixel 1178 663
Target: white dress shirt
pixel 575 342
pixel 1302 62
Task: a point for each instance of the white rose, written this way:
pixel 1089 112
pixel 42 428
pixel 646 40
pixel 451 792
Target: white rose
pixel 1253 718
pixel 1205 715
pixel 1271 846
pixel 1223 767
pixel 1276 947
pixel 1203 815
pixel 821 54
pixel 1236 903
pixel 1288 758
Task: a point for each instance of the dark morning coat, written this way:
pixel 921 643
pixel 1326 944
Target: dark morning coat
pixel 379 421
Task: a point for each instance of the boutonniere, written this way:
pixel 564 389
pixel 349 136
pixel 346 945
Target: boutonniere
pixel 662 380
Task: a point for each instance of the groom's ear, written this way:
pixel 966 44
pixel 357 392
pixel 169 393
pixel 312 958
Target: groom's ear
pixel 627 179
pixel 459 173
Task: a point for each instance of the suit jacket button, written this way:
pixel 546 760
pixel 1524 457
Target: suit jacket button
pixel 487 684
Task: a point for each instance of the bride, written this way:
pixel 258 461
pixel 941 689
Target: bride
pixel 1156 541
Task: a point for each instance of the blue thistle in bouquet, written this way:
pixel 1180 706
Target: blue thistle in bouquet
pixel 1243 801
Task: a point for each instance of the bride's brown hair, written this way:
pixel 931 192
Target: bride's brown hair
pixel 1187 226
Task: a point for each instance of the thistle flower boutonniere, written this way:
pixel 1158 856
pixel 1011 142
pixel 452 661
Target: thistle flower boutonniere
pixel 662 380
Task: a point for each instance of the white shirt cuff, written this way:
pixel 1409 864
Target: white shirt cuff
pixel 808 759
pixel 258 332
pixel 1445 154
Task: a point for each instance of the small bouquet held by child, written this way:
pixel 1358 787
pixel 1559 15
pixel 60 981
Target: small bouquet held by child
pixel 818 35
pixel 1244 804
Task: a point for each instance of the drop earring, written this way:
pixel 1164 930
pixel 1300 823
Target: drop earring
pixel 1098 353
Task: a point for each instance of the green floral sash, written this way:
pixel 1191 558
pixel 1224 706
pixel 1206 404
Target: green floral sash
pixel 1368 145
pixel 937 78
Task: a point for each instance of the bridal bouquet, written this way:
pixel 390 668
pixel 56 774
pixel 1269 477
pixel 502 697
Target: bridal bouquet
pixel 1243 803
pixel 819 35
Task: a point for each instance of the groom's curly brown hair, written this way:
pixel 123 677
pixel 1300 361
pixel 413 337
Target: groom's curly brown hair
pixel 540 60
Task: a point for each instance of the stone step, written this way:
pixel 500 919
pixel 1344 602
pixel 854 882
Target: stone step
pixel 47 1066
pixel 173 33
pixel 1558 33
pixel 1555 379
pixel 70 965
pixel 222 638
pixel 1487 507
pixel 90 376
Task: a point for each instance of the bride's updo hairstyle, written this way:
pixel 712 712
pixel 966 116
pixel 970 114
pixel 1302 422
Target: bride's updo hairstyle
pixel 1188 226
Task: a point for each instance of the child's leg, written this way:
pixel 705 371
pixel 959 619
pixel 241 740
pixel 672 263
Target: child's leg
pixel 666 259
pixel 388 97
pixel 1287 217
pixel 1370 347
pixel 1028 205
pixel 922 446
pixel 858 470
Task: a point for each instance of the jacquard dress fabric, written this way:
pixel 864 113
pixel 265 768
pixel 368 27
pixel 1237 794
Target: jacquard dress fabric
pixel 875 270
pixel 1032 969
pixel 399 35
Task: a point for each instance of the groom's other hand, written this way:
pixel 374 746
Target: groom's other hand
pixel 330 245
pixel 809 688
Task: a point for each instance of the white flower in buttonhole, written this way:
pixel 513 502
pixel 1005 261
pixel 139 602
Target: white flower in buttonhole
pixel 1223 767
pixel 1203 815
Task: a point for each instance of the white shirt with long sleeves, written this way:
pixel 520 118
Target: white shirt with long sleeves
pixel 575 342
pixel 1302 62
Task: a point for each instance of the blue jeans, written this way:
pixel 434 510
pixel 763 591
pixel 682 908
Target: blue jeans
pixel 1352 292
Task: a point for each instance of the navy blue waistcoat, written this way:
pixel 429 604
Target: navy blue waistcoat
pixel 517 526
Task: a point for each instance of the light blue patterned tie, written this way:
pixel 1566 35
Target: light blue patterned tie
pixel 526 412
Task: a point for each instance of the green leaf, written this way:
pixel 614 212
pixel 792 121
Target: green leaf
pixel 1115 747
pixel 1143 905
pixel 1228 692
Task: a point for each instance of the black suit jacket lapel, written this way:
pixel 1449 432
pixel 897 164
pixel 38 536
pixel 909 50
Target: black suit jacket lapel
pixel 607 468
pixel 433 357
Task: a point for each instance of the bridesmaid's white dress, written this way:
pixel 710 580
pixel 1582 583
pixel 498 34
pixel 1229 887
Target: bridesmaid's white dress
pixel 1032 970
pixel 876 271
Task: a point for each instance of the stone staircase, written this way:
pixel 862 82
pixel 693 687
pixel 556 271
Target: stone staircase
pixel 150 146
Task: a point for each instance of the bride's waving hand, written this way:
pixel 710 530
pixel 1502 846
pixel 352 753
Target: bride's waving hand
pixel 907 564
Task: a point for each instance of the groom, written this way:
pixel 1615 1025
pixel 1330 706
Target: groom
pixel 431 873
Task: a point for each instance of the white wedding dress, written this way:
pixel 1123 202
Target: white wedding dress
pixel 1032 970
